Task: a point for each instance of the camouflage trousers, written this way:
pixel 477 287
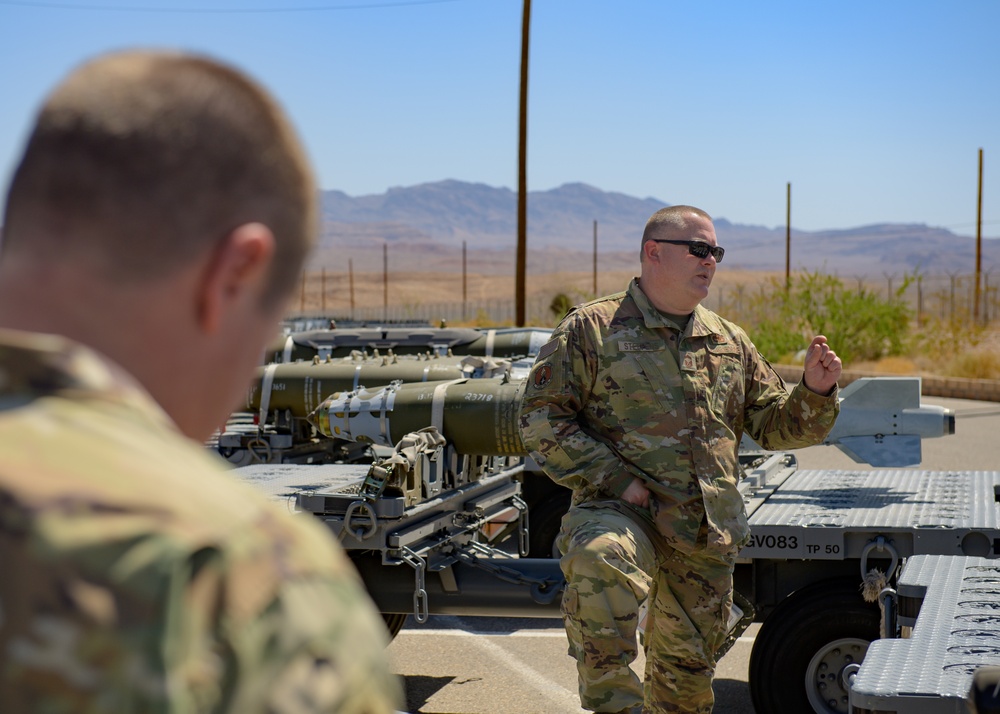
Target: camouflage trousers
pixel 611 566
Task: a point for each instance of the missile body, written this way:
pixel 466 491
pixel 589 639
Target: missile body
pixel 881 421
pixel 302 386
pixel 513 342
pixel 477 416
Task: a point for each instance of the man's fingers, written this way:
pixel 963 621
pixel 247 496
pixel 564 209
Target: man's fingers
pixel 817 352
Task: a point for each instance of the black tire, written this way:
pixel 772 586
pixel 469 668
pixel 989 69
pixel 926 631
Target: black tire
pixel 801 650
pixel 394 622
pixel 543 525
pixel 984 691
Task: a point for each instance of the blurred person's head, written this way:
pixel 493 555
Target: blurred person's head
pixel 163 204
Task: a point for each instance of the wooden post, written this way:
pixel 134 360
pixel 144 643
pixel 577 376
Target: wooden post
pixel 522 172
pixel 788 237
pixel 979 241
pixel 350 280
pixel 322 290
pixel 920 300
pixel 595 258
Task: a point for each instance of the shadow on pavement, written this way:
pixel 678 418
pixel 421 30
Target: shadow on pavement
pixel 732 697
pixel 419 689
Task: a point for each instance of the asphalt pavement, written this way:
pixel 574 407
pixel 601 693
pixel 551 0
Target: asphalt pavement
pixel 475 665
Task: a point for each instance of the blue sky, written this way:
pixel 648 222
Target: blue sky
pixel 874 110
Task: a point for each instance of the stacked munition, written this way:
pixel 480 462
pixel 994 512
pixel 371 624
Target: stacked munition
pixel 477 416
pixel 300 387
pixel 513 342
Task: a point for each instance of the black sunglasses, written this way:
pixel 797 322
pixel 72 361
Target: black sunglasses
pixel 697 248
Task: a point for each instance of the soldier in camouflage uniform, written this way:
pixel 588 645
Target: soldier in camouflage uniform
pixel 638 404
pixel 155 227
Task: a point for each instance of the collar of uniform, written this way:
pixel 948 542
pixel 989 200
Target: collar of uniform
pixel 34 363
pixel 651 317
pixel 703 322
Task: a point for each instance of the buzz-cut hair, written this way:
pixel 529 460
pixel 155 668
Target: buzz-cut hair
pixel 140 162
pixel 670 219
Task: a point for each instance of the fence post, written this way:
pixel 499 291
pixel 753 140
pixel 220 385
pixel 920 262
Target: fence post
pixel 920 300
pixel 889 278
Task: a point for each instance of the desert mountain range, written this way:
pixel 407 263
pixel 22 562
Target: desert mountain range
pixel 424 227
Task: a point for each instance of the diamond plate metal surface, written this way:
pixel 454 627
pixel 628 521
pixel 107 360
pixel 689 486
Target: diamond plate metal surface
pixel 884 498
pixel 282 481
pixel 956 631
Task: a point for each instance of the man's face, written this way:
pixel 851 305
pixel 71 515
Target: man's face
pixel 675 280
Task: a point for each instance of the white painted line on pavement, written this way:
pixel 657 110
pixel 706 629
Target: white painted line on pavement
pixel 563 699
pixel 478 633
pixel 437 632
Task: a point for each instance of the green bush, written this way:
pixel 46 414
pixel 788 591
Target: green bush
pixel 777 340
pixel 560 305
pixel 859 324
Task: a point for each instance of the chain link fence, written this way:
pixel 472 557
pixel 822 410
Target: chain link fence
pixel 943 296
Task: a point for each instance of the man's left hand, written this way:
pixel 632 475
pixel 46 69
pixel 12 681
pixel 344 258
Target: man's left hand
pixel 822 369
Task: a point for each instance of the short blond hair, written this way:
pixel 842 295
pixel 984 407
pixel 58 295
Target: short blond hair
pixel 141 162
pixel 669 219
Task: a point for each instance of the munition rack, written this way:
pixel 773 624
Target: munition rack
pixel 425 506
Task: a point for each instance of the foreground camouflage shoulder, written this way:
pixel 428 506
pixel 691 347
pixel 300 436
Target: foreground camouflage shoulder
pixel 147 579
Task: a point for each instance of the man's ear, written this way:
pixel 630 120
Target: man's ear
pixel 651 251
pixel 238 271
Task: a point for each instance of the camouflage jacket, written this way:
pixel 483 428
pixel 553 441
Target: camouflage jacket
pixel 137 576
pixel 607 401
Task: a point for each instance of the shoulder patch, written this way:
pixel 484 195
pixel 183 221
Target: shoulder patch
pixel 542 376
pixel 548 348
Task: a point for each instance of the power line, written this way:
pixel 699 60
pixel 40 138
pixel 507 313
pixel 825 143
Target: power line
pixel 969 225
pixel 222 11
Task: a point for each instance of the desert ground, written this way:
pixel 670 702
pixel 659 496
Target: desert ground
pixel 330 291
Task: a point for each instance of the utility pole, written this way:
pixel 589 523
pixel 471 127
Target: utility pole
pixel 465 292
pixel 350 281
pixel 595 258
pixel 522 173
pixel 788 237
pixel 385 282
pixel 979 240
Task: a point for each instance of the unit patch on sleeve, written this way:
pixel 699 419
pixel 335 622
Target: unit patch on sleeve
pixel 543 375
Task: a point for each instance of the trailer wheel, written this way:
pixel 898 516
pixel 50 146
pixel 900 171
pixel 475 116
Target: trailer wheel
pixel 394 622
pixel 801 652
pixel 543 525
pixel 985 690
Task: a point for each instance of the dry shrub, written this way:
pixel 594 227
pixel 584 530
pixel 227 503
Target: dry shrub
pixel 897 365
pixel 981 363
